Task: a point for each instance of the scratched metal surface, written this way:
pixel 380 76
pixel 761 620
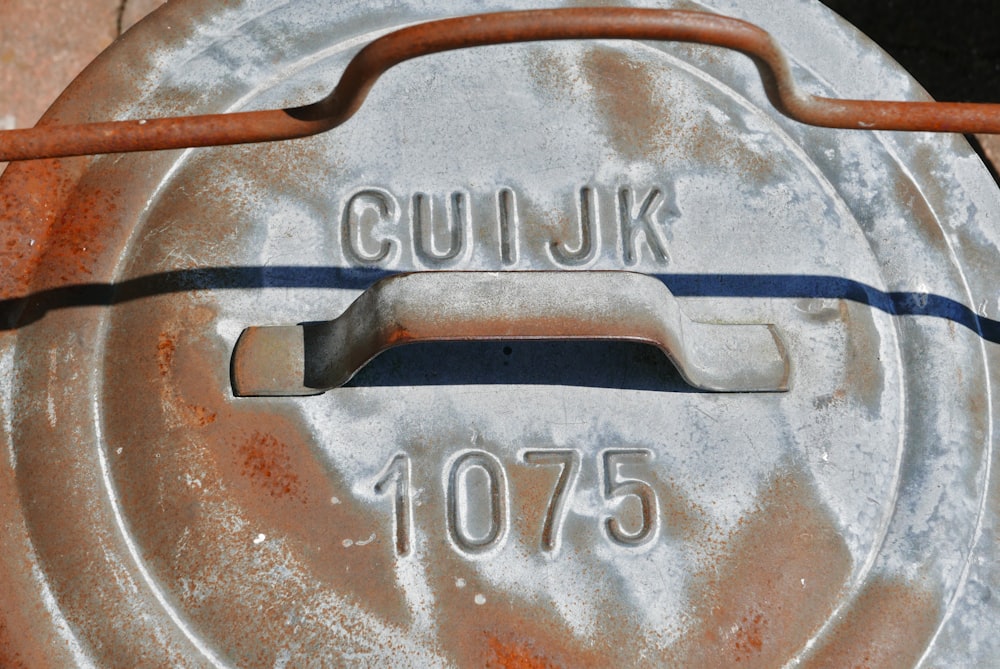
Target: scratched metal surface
pixel 513 504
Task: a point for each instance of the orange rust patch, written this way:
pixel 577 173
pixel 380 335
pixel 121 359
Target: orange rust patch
pixel 266 464
pixel 748 639
pixel 918 214
pixel 191 413
pixel 202 416
pixel 26 631
pixel 78 237
pixel 640 120
pixel 682 516
pixel 888 625
pixel 777 581
pixel 634 115
pixel 514 654
pixel 835 398
pixel 524 631
pixel 29 203
pixel 527 626
pixel 548 71
pixel 252 456
pixel 9 655
pixel 518 634
pixel 165 348
pixel 398 336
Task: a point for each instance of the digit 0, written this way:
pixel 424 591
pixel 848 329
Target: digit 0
pixel 476 502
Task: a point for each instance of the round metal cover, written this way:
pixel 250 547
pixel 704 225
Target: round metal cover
pixel 506 503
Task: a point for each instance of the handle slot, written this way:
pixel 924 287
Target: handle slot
pixel 308 359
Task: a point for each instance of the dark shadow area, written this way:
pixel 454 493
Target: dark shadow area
pixel 593 364
pixel 949 46
pixel 18 312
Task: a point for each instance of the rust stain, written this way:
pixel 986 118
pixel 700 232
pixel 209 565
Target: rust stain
pixel 47 244
pixel 253 459
pixel 27 214
pixel 773 583
pixel 548 71
pixel 682 516
pixel 78 238
pixel 534 485
pixel 907 197
pixel 712 143
pixel 514 654
pixel 523 628
pixel 27 637
pixel 267 465
pixel 201 416
pixel 21 636
pixel 523 635
pixel 399 335
pixel 635 116
pixel 835 398
pixel 639 120
pixel 888 625
pixel 977 409
pixel 10 656
pixel 58 498
pixel 749 636
pixel 165 349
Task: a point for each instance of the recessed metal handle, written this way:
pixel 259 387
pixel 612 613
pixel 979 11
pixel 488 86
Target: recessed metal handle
pixel 310 358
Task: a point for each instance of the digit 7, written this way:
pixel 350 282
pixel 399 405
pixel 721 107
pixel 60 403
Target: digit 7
pixel 569 463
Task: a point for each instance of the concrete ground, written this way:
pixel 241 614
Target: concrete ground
pixel 44 44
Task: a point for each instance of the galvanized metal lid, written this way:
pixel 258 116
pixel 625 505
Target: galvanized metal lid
pixel 508 501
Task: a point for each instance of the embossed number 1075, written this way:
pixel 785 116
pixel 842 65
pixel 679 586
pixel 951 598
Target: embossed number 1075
pixel 458 491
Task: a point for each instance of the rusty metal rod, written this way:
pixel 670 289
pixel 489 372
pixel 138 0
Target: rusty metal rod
pixel 372 61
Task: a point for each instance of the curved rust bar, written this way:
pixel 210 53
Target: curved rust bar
pixel 499 28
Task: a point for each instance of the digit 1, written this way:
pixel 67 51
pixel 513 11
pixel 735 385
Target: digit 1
pixel 398 472
pixel 569 470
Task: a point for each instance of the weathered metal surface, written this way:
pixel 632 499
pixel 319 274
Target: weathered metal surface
pixel 513 306
pixel 493 29
pixel 467 504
